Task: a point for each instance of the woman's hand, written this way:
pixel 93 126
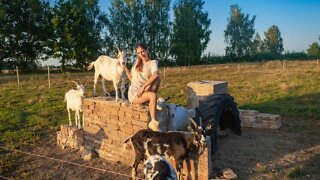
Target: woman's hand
pixel 140 91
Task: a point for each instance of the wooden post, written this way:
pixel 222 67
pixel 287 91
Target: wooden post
pixel 17 69
pixel 164 72
pixel 49 77
pixel 282 64
pixel 317 62
pixel 238 67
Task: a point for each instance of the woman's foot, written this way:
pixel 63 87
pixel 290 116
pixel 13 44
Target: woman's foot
pixel 154 125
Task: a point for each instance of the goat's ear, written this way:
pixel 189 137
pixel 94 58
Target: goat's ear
pixel 118 49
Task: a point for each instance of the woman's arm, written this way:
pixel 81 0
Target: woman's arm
pixel 152 78
pixel 128 73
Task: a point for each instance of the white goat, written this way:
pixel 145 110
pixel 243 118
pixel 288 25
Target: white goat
pixel 74 103
pixel 110 69
pixel 172 117
pixel 157 167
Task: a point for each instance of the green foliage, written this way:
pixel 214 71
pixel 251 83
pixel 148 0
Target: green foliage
pixel 134 21
pixel 239 33
pixel 257 45
pixel 157 28
pixel 77 26
pixel 191 32
pixel 212 59
pixel 25 29
pixel 314 50
pixel 273 41
pixel 125 23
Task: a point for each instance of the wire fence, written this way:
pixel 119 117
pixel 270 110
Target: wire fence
pixel 19 77
pixel 65 162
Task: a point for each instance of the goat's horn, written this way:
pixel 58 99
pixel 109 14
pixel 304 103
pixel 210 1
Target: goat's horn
pixel 167 98
pixel 118 49
pixel 76 83
pixel 193 122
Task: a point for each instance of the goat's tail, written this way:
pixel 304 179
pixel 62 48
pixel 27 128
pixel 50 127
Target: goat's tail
pixel 91 65
pixel 125 144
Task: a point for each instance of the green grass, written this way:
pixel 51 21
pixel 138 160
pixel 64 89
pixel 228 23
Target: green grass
pixel 296 173
pixel 31 110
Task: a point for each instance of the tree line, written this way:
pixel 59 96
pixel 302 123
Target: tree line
pixel 76 32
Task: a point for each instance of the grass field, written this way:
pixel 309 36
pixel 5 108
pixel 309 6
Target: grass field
pixel 31 111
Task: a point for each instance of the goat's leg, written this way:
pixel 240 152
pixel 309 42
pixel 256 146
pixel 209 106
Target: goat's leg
pixel 104 87
pixel 82 120
pixel 139 157
pixel 122 88
pixel 188 168
pixel 134 168
pixel 70 123
pixel 96 76
pixel 179 167
pixel 195 165
pixel 76 118
pixel 115 85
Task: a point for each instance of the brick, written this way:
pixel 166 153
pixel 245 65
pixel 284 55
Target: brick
pixel 139 123
pixel 126 128
pixel 145 118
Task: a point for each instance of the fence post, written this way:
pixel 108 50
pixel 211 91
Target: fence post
pixel 49 77
pixel 282 64
pixel 17 70
pixel 164 72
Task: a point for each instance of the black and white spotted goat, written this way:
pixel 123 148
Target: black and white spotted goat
pixel 176 144
pixel 158 168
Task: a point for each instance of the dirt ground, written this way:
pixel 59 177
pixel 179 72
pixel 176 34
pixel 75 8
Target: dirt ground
pixel 256 154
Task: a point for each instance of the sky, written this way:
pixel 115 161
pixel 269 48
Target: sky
pixel 297 20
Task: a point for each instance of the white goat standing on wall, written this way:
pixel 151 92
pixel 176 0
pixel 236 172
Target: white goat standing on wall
pixel 74 103
pixel 110 69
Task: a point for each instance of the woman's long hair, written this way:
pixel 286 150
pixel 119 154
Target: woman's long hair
pixel 139 65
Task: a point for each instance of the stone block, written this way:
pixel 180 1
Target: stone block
pixel 254 119
pixel 70 136
pixel 200 90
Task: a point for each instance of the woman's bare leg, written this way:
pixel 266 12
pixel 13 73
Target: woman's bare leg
pixel 150 97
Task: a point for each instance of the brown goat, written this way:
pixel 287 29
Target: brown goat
pixel 179 145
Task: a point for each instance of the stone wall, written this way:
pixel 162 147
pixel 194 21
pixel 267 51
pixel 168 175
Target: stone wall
pixel 254 119
pixel 107 124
